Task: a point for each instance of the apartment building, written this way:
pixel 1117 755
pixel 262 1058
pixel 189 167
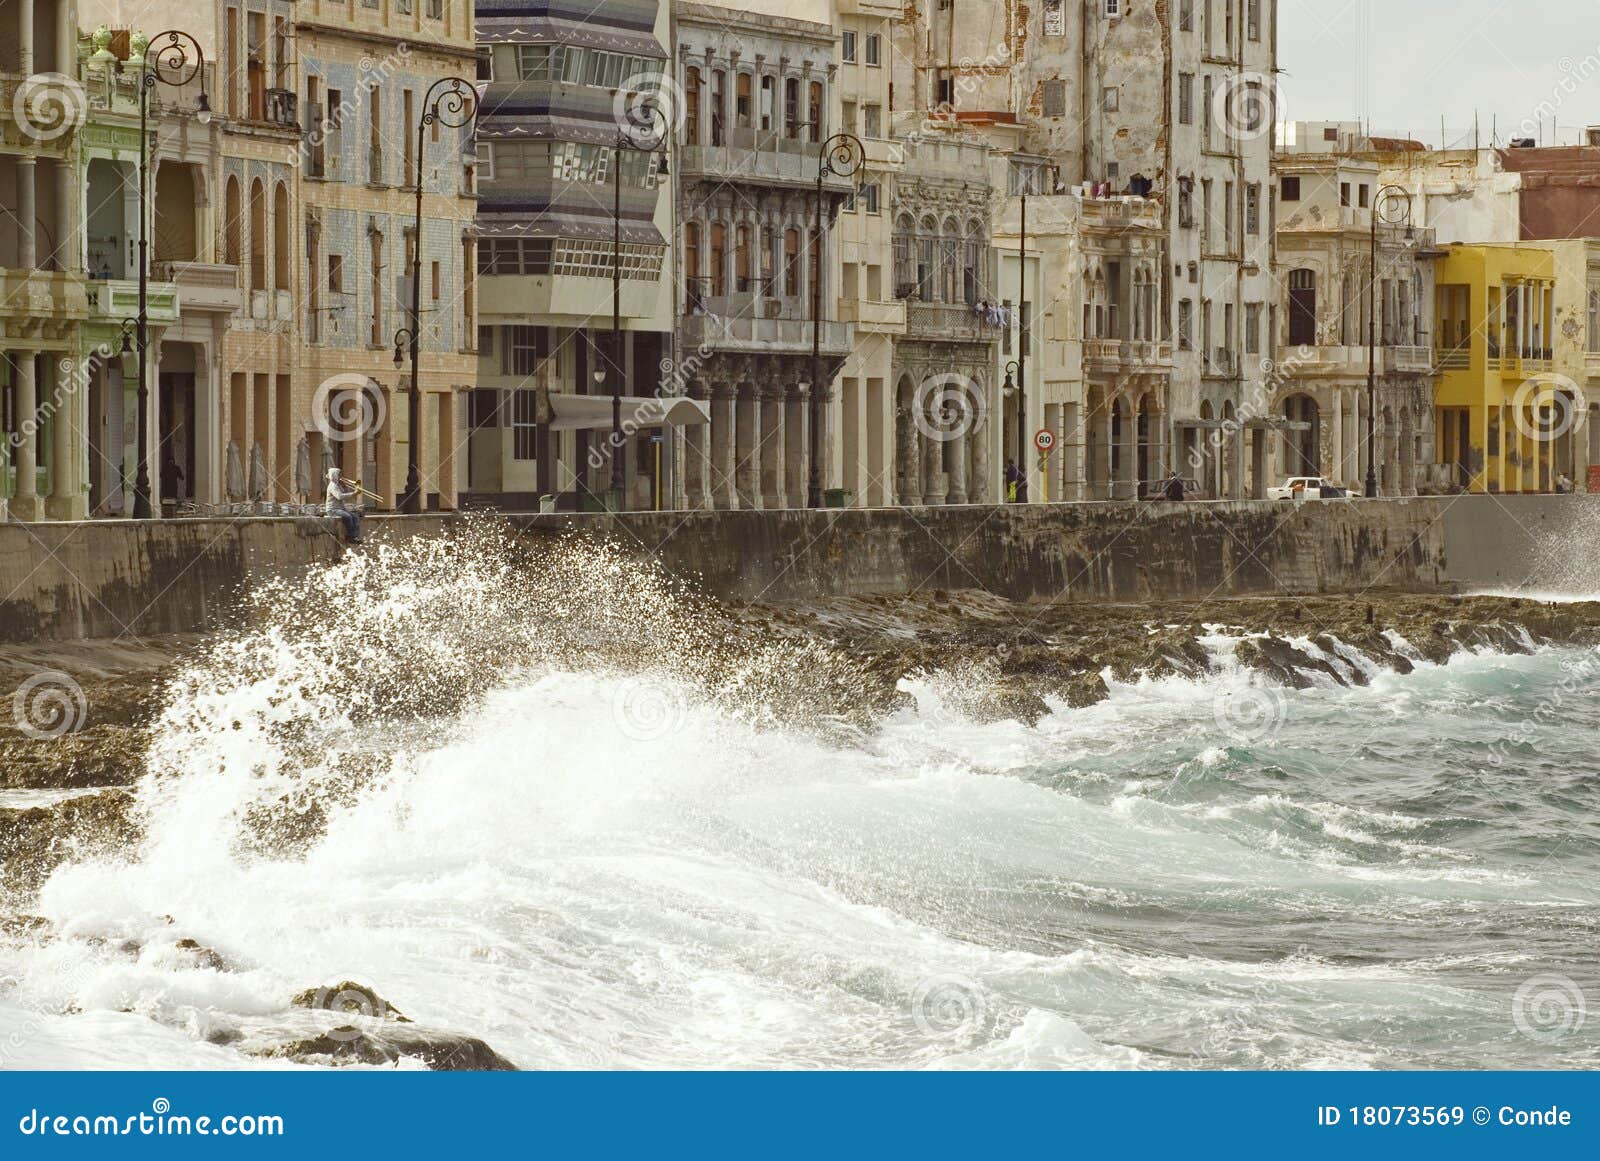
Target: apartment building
pixel 364 72
pixel 1171 102
pixel 864 405
pixel 759 101
pixel 575 184
pixel 44 293
pixel 948 429
pixel 1506 419
pixel 1343 310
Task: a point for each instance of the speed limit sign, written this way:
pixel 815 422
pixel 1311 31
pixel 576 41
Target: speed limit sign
pixel 1044 440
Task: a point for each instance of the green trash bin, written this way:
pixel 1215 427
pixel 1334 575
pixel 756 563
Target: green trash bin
pixel 837 498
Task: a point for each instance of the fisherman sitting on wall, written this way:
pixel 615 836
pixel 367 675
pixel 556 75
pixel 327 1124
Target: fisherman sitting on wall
pixel 344 501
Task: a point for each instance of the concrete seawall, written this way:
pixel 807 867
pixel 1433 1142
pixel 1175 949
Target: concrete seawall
pixel 116 578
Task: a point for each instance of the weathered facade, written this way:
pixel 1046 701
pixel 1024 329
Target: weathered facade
pixel 1174 102
pixel 364 71
pixel 1342 310
pixel 44 292
pixel 947 434
pixel 758 100
pixel 567 117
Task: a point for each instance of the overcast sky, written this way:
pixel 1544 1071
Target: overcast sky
pixel 1442 57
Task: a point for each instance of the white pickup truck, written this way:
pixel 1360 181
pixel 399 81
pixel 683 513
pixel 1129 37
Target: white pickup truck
pixel 1308 488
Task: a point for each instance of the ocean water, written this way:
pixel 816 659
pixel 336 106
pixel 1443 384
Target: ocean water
pixel 638 857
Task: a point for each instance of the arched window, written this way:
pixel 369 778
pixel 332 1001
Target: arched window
pixel 791 262
pixel 1302 307
pixel 905 270
pixel 927 256
pixel 691 106
pixel 814 264
pixel 791 107
pixel 281 233
pixel 741 259
pixel 949 249
pixel 232 225
pixel 719 107
pixel 719 259
pixel 741 91
pixel 258 235
pixel 971 264
pixel 694 288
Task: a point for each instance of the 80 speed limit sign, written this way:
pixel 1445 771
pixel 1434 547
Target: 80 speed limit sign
pixel 1044 440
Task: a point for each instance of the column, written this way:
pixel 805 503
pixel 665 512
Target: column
pixel 25 49
pixel 27 205
pixel 68 499
pixel 747 429
pixel 955 461
pixel 932 453
pixel 67 251
pixel 1336 435
pixel 694 459
pixel 772 459
pixel 907 465
pixel 797 445
pixel 822 416
pixel 978 489
pixel 25 500
pixel 720 488
pixel 1239 440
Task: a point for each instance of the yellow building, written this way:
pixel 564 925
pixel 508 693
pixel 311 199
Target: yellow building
pixel 1502 409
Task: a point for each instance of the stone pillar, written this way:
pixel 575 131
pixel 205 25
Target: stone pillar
pixel 796 447
pixel 907 465
pixel 933 485
pixel 67 251
pixel 720 489
pixel 978 490
pixel 822 415
pixel 955 461
pixel 695 454
pixel 68 498
pixel 25 499
pixel 25 49
pixel 1239 439
pixel 27 205
pixel 772 458
pixel 747 437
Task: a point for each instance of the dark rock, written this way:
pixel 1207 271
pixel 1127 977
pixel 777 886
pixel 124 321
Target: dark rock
pixel 350 998
pixel 203 957
pixel 441 1051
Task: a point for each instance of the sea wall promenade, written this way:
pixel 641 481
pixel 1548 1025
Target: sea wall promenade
pixel 64 581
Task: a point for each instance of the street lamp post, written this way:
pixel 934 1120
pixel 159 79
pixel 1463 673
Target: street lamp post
pixel 180 56
pixel 1400 200
pixel 1022 355
pixel 840 156
pixel 645 130
pixel 454 107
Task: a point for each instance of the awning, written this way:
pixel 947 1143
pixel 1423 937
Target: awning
pixel 593 412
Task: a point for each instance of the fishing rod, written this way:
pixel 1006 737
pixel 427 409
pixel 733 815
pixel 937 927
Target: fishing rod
pixel 373 496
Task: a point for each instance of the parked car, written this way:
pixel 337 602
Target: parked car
pixel 1308 488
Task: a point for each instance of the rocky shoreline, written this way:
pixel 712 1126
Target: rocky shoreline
pixel 69 795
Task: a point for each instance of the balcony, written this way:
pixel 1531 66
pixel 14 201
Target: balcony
pixel 114 299
pixel 951 322
pixel 1452 359
pixel 203 286
pixel 41 294
pixel 793 164
pixel 870 315
pixel 1113 356
pixel 763 336
pixel 1409 360
pixel 283 108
